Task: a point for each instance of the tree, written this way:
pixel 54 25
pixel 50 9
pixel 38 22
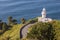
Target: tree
pixel 14 21
pixel 0 20
pixel 23 20
pixel 10 20
pixel 4 26
pixel 1 23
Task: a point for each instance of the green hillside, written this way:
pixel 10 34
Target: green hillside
pixel 38 31
pixel 12 34
pixel 44 31
pixel 11 30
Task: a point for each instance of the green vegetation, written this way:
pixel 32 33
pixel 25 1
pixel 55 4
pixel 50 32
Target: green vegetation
pixel 56 26
pixel 32 20
pixel 11 21
pixel 12 34
pixel 23 21
pixel 6 26
pixel 38 31
pixel 44 31
pixel 10 30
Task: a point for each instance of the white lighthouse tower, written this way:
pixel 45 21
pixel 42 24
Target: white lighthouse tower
pixel 43 18
pixel 43 13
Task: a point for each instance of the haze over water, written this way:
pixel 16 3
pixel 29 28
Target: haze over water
pixel 29 8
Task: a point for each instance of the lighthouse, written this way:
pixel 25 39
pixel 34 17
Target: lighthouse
pixel 43 13
pixel 43 18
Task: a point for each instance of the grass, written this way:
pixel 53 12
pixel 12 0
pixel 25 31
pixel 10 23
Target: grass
pixel 13 33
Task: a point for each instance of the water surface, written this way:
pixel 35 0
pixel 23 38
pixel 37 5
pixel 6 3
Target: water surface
pixel 28 8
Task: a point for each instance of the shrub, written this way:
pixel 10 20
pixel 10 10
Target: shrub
pixel 14 21
pixel 41 31
pixel 56 27
pixel 23 21
pixel 4 26
pixel 9 20
pixel 33 20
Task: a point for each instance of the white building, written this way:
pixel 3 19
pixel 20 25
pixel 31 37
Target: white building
pixel 43 18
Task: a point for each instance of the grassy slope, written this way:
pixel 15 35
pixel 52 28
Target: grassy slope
pixel 56 28
pixel 13 33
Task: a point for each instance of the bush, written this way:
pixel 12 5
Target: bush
pixel 41 31
pixel 4 26
pixel 14 21
pixel 9 20
pixel 56 27
pixel 33 20
pixel 1 25
pixel 23 21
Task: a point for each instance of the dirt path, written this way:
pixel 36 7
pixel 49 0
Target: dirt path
pixel 24 30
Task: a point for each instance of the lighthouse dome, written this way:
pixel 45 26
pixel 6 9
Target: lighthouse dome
pixel 43 11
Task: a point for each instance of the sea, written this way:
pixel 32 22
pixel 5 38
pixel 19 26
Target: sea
pixel 28 9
